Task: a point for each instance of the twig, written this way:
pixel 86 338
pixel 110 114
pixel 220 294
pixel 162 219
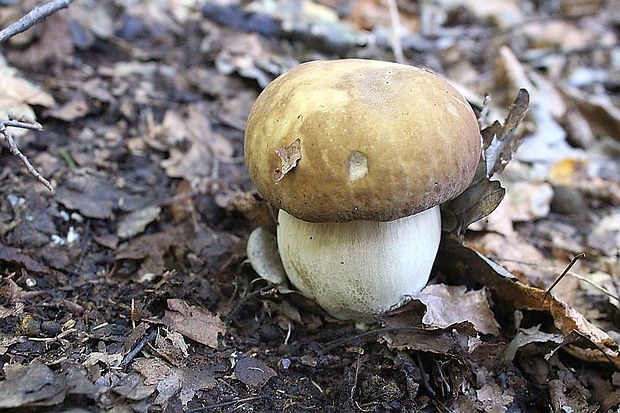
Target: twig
pixel 30 19
pixel 147 338
pixel 34 16
pixel 566 270
pixel 228 403
pixel 397 46
pixel 15 150
pixel 593 284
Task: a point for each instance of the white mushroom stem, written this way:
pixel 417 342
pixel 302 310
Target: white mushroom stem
pixel 356 269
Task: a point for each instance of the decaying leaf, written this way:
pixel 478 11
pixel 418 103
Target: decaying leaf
pixel 253 372
pixel 194 322
pixel 136 222
pixel 527 336
pixel 16 97
pixel 448 305
pixel 484 195
pixel 478 201
pixel 92 195
pixel 38 385
pixel 520 296
pixel 289 156
pixel 132 387
pixel 499 140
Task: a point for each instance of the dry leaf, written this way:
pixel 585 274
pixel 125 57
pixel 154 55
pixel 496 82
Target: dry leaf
pixel 289 156
pixel 136 222
pixel 253 372
pixel 500 141
pixel 194 322
pixel 566 319
pixel 448 305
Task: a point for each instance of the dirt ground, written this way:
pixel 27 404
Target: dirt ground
pixel 128 287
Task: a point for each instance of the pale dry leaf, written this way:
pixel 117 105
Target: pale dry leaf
pixel 71 110
pixel 17 96
pixel 194 322
pixel 527 336
pixel 447 305
pixel 528 201
pixel 167 388
pixel 135 223
pixel 500 140
pixel 132 387
pixel 152 369
pixel 194 379
pixel 600 112
pixel 289 156
pixel 195 148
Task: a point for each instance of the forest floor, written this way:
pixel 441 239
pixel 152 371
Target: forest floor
pixel 128 288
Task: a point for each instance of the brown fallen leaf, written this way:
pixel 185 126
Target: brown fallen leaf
pixel 499 139
pixel 484 195
pixel 92 195
pixel 253 372
pixel 472 265
pixel 289 156
pixel 194 322
pixel 447 305
pixel 151 248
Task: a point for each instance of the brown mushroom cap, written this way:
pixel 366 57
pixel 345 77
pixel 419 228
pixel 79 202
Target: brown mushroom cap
pixel 348 140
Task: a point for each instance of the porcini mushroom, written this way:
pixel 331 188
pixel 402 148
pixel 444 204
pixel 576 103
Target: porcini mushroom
pixel 357 155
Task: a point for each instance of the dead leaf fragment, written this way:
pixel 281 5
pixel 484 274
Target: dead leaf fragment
pixel 447 305
pixel 194 322
pixel 253 372
pixel 152 369
pixel 289 156
pixel 500 140
pixel 520 296
pixel 93 196
pixel 136 222
pixel 132 387
pixel 38 385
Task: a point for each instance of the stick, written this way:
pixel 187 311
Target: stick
pixel 15 150
pixel 34 16
pixel 566 270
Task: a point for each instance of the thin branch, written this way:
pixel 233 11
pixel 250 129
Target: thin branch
pixel 15 150
pixel 397 46
pixel 34 16
pixel 566 270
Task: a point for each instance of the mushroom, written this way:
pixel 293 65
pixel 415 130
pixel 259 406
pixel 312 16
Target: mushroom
pixel 357 155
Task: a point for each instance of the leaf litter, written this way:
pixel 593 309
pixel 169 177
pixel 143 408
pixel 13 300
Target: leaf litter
pixel 128 288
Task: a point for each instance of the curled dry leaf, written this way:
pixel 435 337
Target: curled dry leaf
pixel 499 140
pixel 566 319
pixel 194 322
pixel 447 305
pixel 484 195
pixel 289 156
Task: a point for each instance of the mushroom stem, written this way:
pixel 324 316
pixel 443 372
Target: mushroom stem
pixel 359 268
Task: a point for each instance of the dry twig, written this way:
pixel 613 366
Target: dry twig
pixel 30 19
pixel 33 17
pixel 15 150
